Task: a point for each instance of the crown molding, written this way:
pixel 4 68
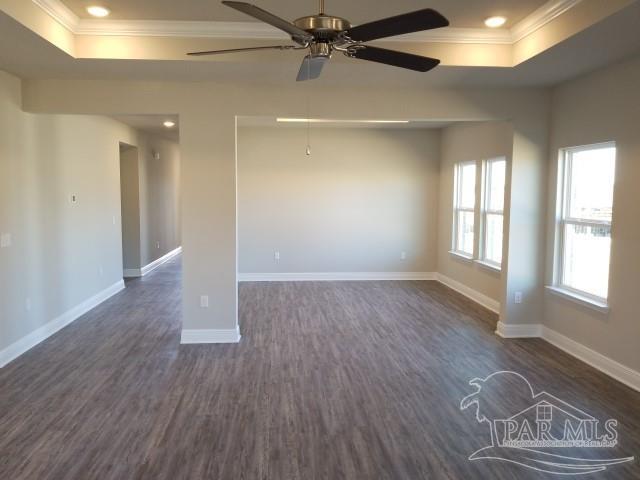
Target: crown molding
pixel 60 13
pixel 498 36
pixel 540 17
pixel 259 31
pixel 168 28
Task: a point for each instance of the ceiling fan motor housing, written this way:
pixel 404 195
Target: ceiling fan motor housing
pixel 324 28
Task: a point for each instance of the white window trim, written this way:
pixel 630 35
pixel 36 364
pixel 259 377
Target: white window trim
pixel 457 209
pixel 580 299
pixel 484 212
pixel 563 206
pixel 462 256
pixel 496 267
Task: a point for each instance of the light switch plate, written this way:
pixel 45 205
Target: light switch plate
pixel 5 240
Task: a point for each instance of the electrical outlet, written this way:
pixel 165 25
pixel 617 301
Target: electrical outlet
pixel 518 297
pixel 158 245
pixel 276 256
pixel 204 301
pixel 114 220
pixel 5 240
pixel 403 255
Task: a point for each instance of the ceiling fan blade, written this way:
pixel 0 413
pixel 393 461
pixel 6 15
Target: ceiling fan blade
pixel 297 34
pixel 311 68
pixel 395 58
pixel 426 19
pixel 248 49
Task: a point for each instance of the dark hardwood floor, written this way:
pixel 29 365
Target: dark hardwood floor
pixel 353 380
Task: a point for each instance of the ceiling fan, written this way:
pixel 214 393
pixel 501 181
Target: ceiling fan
pixel 323 34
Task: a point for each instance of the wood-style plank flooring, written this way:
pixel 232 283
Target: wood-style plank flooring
pixel 350 380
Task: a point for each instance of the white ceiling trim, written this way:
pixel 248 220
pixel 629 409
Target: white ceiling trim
pixel 60 12
pixel 540 17
pixel 259 31
pixel 262 31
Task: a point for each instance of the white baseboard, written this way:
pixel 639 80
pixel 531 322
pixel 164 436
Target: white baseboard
pixel 29 341
pixel 131 273
pixel 532 330
pixel 623 374
pixel 334 276
pixel 616 370
pixel 141 272
pixel 210 336
pixel 474 295
pixel 487 302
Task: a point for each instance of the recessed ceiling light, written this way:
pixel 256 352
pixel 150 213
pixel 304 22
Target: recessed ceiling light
pixel 169 124
pixel 98 11
pixel 495 22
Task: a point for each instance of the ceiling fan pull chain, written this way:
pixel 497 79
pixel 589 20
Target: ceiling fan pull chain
pixel 321 7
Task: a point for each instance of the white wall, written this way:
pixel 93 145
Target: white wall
pixel 362 197
pixel 61 253
pixel 469 142
pixel 600 107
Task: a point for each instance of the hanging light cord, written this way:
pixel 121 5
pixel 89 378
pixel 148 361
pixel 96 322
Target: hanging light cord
pixel 309 108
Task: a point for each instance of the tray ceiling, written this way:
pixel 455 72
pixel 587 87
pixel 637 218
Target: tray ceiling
pixel 461 13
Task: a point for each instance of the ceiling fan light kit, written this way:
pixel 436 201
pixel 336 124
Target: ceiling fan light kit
pixel 322 35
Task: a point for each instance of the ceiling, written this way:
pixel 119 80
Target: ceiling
pixel 461 13
pixel 152 124
pixel 27 55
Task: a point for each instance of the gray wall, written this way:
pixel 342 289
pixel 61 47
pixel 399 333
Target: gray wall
pixel 62 253
pixel 600 107
pixel 153 192
pixel 469 142
pixel 208 114
pixel 362 197
pixel 130 206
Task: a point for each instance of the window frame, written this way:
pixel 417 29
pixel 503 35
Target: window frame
pixel 457 209
pixel 565 159
pixel 485 211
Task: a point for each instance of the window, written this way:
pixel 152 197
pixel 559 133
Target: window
pixel 493 211
pixel 586 181
pixel 464 204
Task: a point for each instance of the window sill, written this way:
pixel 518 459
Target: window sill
pixel 490 266
pixel 461 256
pixel 598 306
